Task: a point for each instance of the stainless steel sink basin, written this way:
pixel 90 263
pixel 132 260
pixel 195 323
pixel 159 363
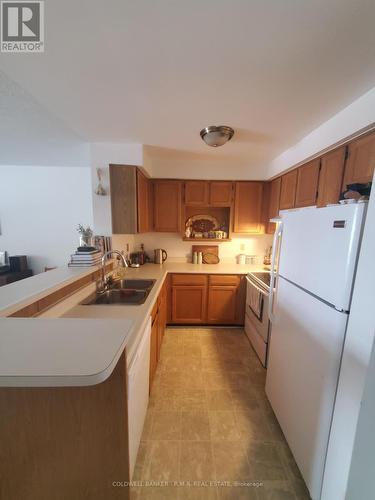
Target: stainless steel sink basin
pixel 120 296
pixel 133 284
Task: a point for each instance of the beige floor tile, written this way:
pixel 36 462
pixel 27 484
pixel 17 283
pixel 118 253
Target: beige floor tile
pixel 237 493
pixel 166 425
pixel 244 399
pixel 191 399
pixel 162 461
pixel 265 461
pixel 196 462
pixel 230 460
pixel 300 489
pixel 219 399
pixel 197 493
pixel 252 425
pixel 195 426
pixel 223 425
pixel 159 493
pixel 147 427
pixel 192 379
pixel 215 380
pixel 276 490
pixel 210 384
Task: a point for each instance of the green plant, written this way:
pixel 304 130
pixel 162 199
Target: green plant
pixel 86 232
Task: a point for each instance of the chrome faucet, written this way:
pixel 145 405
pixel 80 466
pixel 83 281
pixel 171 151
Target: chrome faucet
pixel 104 259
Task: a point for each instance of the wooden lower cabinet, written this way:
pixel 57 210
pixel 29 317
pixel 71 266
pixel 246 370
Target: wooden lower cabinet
pixel 189 304
pixel 158 324
pixel 206 299
pixel 154 342
pixel 222 304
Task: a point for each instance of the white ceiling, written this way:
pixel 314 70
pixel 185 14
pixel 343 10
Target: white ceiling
pixel 156 72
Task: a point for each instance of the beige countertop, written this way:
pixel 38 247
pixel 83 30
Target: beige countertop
pixel 127 321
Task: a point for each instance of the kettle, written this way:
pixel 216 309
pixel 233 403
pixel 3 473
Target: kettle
pixel 160 255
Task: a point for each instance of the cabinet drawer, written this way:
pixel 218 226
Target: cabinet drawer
pixel 189 279
pixel 224 279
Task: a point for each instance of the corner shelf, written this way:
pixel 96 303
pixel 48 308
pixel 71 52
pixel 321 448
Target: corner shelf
pixel 218 240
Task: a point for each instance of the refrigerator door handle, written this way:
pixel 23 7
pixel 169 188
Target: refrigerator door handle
pixel 275 249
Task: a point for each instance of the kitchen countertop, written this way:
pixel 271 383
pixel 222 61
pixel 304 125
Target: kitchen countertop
pixel 60 352
pixel 72 344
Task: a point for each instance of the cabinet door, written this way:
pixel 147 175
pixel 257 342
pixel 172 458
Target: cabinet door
pixel 222 304
pixel 167 206
pixel 143 202
pixel 330 178
pixel 273 207
pixel 154 348
pixel 307 184
pixel 221 193
pixel 196 193
pixel 288 190
pixel 248 207
pixel 361 161
pixel 123 185
pixel 189 304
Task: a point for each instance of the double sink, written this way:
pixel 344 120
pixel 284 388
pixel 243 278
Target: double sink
pixel 131 292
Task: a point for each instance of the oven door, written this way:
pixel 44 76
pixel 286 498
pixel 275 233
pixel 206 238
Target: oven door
pixel 258 317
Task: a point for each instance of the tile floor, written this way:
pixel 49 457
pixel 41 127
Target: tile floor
pixel 209 423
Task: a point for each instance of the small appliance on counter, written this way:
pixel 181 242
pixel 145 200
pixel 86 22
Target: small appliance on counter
pixel 160 255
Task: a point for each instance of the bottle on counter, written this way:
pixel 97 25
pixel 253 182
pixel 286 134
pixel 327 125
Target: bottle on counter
pixel 200 258
pixel 195 258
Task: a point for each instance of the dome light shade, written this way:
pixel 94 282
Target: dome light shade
pixel 216 135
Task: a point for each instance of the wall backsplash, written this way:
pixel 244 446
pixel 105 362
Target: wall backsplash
pixel 179 250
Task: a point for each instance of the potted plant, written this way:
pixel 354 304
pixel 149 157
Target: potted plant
pixel 85 235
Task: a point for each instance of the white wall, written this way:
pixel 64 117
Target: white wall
pixel 40 208
pixel 179 250
pixel 355 362
pixel 30 135
pixel 101 155
pixel 358 115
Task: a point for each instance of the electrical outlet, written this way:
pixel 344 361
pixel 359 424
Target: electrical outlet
pixel 242 247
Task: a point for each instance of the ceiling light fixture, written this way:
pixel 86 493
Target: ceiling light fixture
pixel 216 135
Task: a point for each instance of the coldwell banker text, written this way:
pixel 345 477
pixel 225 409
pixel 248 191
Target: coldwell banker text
pixel 22 26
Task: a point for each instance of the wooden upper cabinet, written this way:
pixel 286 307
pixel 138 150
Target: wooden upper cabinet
pixel 221 193
pixel 307 184
pixel 167 206
pixel 196 193
pixel 123 185
pixel 288 190
pixel 361 161
pixel 330 178
pixel 248 207
pixel 274 203
pixel 143 199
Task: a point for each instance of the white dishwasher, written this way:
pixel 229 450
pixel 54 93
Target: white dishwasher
pixel 138 394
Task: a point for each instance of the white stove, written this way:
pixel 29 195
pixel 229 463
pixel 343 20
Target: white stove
pixel 257 324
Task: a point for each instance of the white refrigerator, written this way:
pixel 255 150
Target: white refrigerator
pixel 316 263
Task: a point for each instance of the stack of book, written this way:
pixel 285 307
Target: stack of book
pixel 82 258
